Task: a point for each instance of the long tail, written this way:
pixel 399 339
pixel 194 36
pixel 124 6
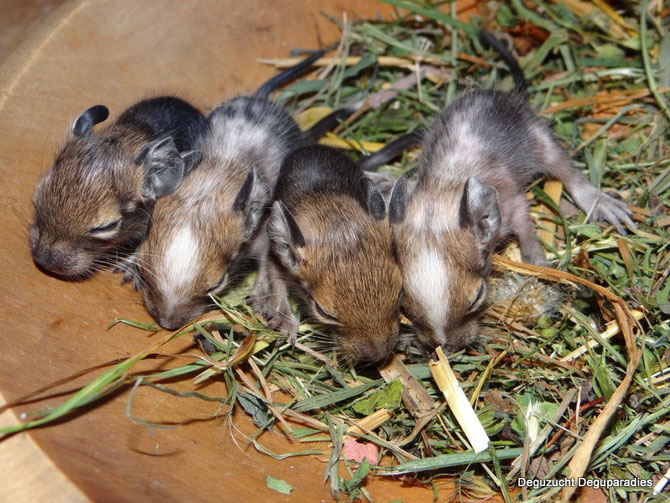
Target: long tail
pixel 391 150
pixel 517 73
pixel 328 123
pixel 288 75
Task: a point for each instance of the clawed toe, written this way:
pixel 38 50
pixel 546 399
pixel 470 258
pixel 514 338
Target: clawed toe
pixel 256 305
pixel 130 276
pixel 285 324
pixel 613 211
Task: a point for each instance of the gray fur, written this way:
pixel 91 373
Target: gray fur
pixel 223 205
pixel 478 157
pixel 163 168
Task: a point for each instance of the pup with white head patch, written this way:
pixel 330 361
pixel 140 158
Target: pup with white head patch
pixel 96 199
pixel 478 156
pixel 203 232
pixel 330 238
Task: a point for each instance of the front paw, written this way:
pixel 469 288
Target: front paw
pixel 284 322
pixel 128 266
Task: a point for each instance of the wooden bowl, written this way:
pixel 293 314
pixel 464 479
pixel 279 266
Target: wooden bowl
pixel 116 53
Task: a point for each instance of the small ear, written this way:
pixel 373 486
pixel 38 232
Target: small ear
pixel 191 159
pixel 372 199
pixel 285 237
pixel 479 210
pixel 163 167
pixel 251 201
pixel 383 181
pixel 85 122
pixel 398 202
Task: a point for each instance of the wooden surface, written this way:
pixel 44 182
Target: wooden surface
pixel 19 19
pixel 116 53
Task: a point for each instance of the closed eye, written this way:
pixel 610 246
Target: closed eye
pixel 323 313
pixel 479 298
pixel 103 229
pixel 219 285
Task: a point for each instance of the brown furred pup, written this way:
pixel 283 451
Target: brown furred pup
pixel 330 241
pixel 93 206
pixel 478 157
pixel 95 201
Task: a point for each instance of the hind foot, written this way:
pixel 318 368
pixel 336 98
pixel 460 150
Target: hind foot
pixel 613 211
pixel 603 207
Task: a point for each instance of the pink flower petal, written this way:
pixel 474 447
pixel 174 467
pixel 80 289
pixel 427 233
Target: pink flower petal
pixel 355 450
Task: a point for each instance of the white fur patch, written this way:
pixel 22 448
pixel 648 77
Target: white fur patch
pixel 180 262
pixel 427 285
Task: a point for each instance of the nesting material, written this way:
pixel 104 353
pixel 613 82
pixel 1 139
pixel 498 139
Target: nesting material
pixel 458 402
pixel 525 298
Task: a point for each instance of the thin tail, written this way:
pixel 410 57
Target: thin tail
pixel 328 123
pixel 391 150
pixel 288 75
pixel 520 83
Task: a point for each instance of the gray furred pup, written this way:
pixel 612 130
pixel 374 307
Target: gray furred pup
pixel 331 242
pixel 204 231
pixel 478 156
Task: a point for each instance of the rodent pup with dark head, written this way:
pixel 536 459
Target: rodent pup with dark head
pixel 96 199
pixel 478 156
pixel 329 237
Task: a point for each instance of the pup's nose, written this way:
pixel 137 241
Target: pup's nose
pixel 54 259
pixel 376 352
pixel 175 320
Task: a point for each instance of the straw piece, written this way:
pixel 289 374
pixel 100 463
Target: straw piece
pixel 307 118
pixel 414 395
pixel 660 485
pixel 392 61
pixel 335 141
pixel 369 423
pixel 465 415
pixel 553 188
pixel 624 98
pixel 268 394
pixel 612 329
pixel 584 9
pixel 252 389
pixel 614 15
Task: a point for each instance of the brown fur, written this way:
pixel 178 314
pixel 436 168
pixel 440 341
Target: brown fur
pixel 94 180
pixel 348 268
